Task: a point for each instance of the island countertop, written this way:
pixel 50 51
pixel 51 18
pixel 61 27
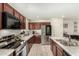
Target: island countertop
pixel 72 50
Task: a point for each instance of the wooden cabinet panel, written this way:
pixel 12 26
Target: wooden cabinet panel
pixel 31 26
pixel 16 14
pixel 37 39
pixel 0 16
pixel 37 25
pixel 56 49
pixel 7 8
pixel 0 7
pixel 59 52
pixel 23 22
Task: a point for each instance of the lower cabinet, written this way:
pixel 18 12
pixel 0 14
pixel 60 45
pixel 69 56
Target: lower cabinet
pixel 60 51
pixel 37 39
pixel 56 49
pixel 31 41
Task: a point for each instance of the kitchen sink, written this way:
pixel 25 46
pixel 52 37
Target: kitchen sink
pixel 67 43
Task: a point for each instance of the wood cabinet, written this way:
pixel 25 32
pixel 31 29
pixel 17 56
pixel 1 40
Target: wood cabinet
pixel 56 49
pixel 37 25
pixel 53 48
pixel 35 39
pixel 7 8
pixel 0 16
pixel 23 22
pixel 31 26
pixel 59 51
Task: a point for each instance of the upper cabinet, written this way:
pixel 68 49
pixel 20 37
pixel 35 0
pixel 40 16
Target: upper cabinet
pixel 23 22
pixel 37 25
pixel 5 7
pixel 0 16
pixel 16 14
pixel 0 7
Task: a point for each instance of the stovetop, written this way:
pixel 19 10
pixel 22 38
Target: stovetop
pixel 12 42
pixel 13 45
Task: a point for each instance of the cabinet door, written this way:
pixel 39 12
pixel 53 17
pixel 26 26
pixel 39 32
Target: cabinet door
pixel 30 26
pixel 7 8
pixel 59 52
pixel 38 26
pixel 54 50
pixel 0 7
pixel 0 16
pixel 22 21
pixel 37 39
pixel 16 14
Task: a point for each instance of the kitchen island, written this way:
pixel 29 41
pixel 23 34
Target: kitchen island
pixel 60 49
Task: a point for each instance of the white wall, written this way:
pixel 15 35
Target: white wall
pixel 40 20
pixel 70 22
pixel 57 27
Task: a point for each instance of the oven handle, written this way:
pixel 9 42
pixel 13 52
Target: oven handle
pixel 17 54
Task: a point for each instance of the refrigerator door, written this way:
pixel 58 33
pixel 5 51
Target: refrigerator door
pixel 43 34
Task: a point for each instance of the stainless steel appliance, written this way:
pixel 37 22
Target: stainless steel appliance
pixel 9 21
pixel 13 42
pixel 45 33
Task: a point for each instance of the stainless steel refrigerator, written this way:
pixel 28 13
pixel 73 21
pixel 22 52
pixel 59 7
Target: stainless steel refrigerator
pixel 45 34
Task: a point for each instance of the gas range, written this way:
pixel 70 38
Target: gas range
pixel 12 42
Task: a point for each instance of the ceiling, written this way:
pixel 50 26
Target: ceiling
pixel 43 11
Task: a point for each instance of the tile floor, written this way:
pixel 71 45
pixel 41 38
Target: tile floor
pixel 40 50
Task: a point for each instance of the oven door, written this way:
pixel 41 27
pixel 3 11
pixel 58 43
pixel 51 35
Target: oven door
pixel 19 53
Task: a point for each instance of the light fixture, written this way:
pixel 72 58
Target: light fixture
pixel 37 16
pixel 63 16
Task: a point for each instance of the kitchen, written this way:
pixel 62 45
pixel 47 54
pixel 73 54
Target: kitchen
pixel 25 30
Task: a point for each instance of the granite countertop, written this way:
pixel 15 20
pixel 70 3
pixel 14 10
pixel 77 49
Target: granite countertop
pixel 72 50
pixel 6 52
pixel 25 38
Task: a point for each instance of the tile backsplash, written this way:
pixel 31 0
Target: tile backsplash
pixel 8 32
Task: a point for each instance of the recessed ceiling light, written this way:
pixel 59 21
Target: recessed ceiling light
pixel 63 16
pixel 37 16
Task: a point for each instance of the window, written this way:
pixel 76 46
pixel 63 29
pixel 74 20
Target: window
pixel 65 25
pixel 75 26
